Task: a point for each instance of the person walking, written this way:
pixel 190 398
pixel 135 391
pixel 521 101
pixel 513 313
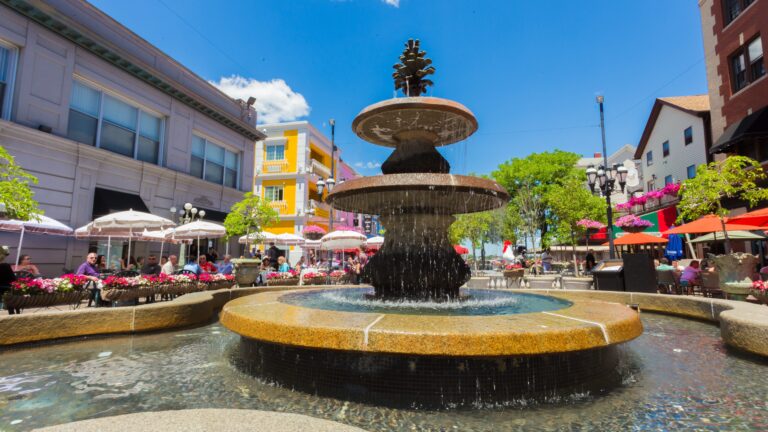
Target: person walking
pixel 273 253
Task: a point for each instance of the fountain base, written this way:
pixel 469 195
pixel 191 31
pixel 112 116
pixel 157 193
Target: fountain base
pixel 430 382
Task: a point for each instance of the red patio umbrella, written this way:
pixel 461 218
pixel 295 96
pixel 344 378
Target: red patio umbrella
pixel 757 217
pixel 709 224
pixel 461 250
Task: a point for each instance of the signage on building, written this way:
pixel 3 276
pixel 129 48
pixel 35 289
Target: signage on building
pixel 368 224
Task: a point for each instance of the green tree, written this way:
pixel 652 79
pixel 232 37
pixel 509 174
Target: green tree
pixel 251 214
pixel 736 177
pixel 479 228
pixel 528 181
pixel 570 203
pixel 15 190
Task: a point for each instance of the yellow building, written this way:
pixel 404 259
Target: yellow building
pixel 289 162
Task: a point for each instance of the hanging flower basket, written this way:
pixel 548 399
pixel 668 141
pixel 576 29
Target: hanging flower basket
pixel 632 224
pixel 633 229
pixel 313 232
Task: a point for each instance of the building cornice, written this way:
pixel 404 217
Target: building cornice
pixel 132 67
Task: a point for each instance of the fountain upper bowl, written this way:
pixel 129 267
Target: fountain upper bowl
pixel 443 121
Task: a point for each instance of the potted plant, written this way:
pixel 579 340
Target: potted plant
pixel 315 278
pixel 313 232
pixel 632 224
pixel 760 291
pixel 289 278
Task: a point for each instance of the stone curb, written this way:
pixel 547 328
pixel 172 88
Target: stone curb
pixel 743 325
pixel 198 420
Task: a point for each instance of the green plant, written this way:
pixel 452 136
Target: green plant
pixel 15 190
pixel 251 214
pixel 736 177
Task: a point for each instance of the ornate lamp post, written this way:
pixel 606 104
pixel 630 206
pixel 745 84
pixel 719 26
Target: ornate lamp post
pixel 187 214
pixel 603 181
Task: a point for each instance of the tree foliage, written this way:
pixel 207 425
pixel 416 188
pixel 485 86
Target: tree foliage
pixel 735 177
pixel 479 228
pixel 251 214
pixel 15 190
pixel 530 181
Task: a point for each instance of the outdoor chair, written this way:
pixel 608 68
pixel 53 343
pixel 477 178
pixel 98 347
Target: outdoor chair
pixel 667 282
pixel 710 285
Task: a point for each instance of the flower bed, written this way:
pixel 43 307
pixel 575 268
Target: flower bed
pixel 27 293
pixel 338 276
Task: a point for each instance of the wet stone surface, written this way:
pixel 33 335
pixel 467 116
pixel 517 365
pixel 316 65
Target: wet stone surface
pixel 677 375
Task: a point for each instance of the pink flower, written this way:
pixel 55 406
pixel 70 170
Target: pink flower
pixel 589 223
pixel 631 220
pixel 313 229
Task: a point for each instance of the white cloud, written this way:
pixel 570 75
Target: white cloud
pixel 394 3
pixel 275 101
pixel 368 165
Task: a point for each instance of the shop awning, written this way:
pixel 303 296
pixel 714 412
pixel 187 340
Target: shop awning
pixel 107 201
pixel 753 126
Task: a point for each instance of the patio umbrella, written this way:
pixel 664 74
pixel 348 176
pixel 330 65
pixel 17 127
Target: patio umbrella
pixel 257 237
pixel 375 242
pixel 757 218
pixel 39 224
pixel 637 239
pixel 710 224
pixel 161 236
pixel 733 235
pixel 674 249
pixel 287 239
pixel 87 232
pixel 311 244
pixel 130 221
pixel 461 250
pixel 199 229
pixel 342 239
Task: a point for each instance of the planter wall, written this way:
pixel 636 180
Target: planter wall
pixel 44 300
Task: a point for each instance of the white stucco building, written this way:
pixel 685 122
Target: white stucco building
pixel 625 155
pixel 675 141
pixel 107 122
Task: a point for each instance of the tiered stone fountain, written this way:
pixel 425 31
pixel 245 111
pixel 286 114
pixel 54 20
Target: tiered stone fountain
pixel 417 339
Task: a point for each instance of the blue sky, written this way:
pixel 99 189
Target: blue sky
pixel 528 70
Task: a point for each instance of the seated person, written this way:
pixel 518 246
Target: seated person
pixel 691 274
pixel 193 267
pixel 170 266
pixel 282 265
pixel 664 265
pixel 88 268
pixel 151 267
pixel 25 264
pixel 226 266
pixel 207 266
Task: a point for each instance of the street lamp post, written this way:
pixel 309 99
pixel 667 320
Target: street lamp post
pixel 187 214
pixel 330 182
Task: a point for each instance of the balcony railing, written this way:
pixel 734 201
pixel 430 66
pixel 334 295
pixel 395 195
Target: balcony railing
pixel 280 206
pixel 275 167
pixel 316 167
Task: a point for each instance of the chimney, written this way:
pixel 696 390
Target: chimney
pixel 597 155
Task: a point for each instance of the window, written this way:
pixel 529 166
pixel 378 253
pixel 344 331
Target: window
pixel 691 170
pixel 732 9
pixel 665 148
pixel 688 135
pixel 7 69
pixel 214 163
pixel 104 121
pixel 273 193
pixel 747 64
pixel 668 180
pixel 649 158
pixel 276 152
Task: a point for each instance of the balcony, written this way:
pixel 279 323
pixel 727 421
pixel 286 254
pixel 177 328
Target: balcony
pixel 275 167
pixel 316 167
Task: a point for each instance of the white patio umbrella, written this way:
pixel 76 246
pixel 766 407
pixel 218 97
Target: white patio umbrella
pixel 130 221
pixel 199 229
pixel 375 242
pixel 162 236
pixel 257 237
pixel 311 244
pixel 342 239
pixel 87 232
pixel 39 224
pixel 287 239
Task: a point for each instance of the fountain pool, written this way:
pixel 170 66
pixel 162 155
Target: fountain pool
pixel 677 375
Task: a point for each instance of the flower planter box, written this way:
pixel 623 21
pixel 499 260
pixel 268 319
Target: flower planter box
pixel 283 282
pixel 119 294
pixel 515 273
pixel 633 229
pixel 736 290
pixel 313 235
pixel 44 300
pixel 318 280
pixel 541 282
pixel 576 283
